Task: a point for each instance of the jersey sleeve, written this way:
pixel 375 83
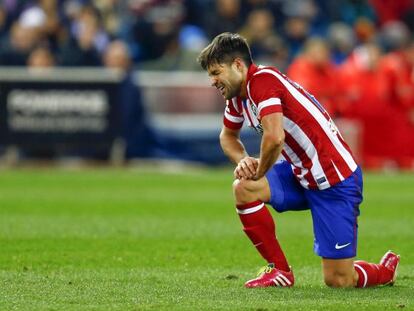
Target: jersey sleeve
pixel 233 116
pixel 266 92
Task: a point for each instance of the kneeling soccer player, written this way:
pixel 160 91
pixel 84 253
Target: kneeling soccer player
pixel 319 172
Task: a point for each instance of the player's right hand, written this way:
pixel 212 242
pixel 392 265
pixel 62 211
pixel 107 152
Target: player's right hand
pixel 246 168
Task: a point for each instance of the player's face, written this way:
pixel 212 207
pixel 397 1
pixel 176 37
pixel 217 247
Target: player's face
pixel 227 78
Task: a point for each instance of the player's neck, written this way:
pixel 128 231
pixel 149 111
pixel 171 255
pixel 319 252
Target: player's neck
pixel 243 89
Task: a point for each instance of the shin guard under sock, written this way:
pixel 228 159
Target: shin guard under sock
pixel 260 228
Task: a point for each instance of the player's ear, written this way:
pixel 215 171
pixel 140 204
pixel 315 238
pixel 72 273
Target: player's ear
pixel 238 63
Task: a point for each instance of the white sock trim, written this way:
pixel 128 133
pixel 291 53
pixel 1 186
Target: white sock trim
pixel 363 272
pixel 250 210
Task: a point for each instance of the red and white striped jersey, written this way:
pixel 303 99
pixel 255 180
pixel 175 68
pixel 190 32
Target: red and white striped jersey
pixel 319 156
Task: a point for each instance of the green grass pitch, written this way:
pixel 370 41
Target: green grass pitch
pixel 127 239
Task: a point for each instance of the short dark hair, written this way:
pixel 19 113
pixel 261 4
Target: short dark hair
pixel 224 49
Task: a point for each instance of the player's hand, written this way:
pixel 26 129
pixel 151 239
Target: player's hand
pixel 246 169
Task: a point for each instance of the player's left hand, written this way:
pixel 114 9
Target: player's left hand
pixel 246 168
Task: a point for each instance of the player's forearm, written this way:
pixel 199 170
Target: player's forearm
pixel 232 147
pixel 270 149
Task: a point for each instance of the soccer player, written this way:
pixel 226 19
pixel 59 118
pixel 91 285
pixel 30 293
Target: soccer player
pixel 319 172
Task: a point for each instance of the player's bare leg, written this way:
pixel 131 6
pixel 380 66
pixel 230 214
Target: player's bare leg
pixel 339 272
pixel 260 228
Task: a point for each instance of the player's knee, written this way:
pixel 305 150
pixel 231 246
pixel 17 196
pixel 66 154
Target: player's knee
pixel 241 191
pixel 338 280
pixel 239 188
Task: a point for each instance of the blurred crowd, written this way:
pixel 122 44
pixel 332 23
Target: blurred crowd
pixel 355 56
pixel 163 33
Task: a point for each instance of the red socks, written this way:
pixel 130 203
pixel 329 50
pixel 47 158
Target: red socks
pixel 260 228
pixel 371 274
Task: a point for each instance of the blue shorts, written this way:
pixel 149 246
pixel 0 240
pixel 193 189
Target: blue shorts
pixel 334 210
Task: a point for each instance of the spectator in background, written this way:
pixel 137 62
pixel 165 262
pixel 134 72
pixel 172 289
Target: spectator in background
pixel 110 12
pixel 365 93
pixel 53 29
pixel 267 47
pixel 24 35
pixel 363 87
pixel 397 68
pixel 89 21
pixel 41 57
pixel 365 30
pixel 139 138
pixel 395 36
pixel 258 30
pixel 296 31
pixel 398 65
pixel 226 15
pixel 87 40
pixel 180 53
pixel 297 26
pixel 314 71
pixel 273 7
pixel 155 27
pixel 277 53
pixel 341 38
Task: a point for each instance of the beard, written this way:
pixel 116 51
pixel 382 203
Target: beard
pixel 232 91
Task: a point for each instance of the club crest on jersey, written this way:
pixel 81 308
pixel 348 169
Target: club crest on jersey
pixel 254 108
pixel 251 112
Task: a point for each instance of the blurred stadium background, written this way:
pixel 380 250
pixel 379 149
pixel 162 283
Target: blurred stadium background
pixel 117 80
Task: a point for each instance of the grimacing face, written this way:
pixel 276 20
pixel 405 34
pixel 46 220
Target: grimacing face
pixel 227 78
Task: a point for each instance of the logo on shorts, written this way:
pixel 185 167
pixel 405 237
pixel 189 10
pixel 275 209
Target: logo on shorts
pixel 337 246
